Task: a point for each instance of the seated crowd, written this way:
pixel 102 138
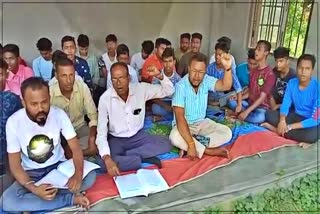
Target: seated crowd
pixel 73 104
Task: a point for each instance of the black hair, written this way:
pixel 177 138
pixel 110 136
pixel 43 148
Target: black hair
pixel 147 46
pixel 222 46
pixel 199 57
pixel 111 38
pixel 168 52
pixel 67 39
pixel 12 48
pixel 185 36
pixel 267 45
pixel 281 52
pixel 44 44
pixel 83 40
pixel 196 36
pixel 122 49
pixel 34 83
pixel 63 61
pixel 308 57
pixel 160 41
pixel 58 54
pixel 251 53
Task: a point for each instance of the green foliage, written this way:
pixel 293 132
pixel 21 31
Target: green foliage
pixel 295 34
pixel 160 129
pixel 301 196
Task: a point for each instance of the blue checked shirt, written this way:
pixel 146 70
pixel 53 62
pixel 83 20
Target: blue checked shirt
pixel 213 71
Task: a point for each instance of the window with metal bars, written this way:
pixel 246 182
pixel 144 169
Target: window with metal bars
pixel 282 23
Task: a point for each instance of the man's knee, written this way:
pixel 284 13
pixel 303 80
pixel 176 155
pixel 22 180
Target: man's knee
pixel 8 201
pixel 89 180
pixel 177 140
pixel 272 117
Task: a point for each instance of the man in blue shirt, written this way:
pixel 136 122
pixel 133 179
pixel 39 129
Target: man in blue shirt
pixel 302 93
pixel 216 70
pixel 9 104
pixel 161 108
pixel 244 69
pixel 42 66
pixel 190 102
pixel 81 66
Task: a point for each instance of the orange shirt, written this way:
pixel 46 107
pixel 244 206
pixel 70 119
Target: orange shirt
pixel 152 60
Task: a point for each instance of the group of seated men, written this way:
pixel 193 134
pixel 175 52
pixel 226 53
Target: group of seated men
pixel 54 106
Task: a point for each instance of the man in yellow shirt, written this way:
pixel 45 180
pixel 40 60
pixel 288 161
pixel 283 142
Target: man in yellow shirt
pixel 74 97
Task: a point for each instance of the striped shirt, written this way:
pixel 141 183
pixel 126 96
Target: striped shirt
pixel 213 71
pixel 194 104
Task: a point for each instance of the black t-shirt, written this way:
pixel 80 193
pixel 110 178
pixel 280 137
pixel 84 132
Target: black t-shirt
pixel 281 84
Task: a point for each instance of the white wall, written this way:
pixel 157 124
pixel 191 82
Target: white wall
pixel 25 23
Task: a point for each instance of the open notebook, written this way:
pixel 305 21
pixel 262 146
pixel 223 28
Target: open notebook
pixel 59 177
pixel 143 183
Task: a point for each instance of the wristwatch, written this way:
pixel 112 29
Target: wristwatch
pixel 289 127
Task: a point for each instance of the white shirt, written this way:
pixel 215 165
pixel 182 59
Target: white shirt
pixel 137 61
pixel 40 146
pixel 108 62
pixel 133 77
pixel 125 119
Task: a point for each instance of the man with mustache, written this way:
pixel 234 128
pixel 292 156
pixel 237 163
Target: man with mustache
pixel 74 97
pixel 190 102
pixel 122 143
pixel 39 118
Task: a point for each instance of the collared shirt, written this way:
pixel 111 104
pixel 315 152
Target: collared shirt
pixel 93 67
pixel 80 104
pixel 137 61
pixel 194 104
pixel 174 78
pixel 14 81
pixel 214 71
pixel 42 68
pixel 82 69
pixel 151 60
pixel 9 104
pixel 133 77
pixel 108 62
pixel 125 119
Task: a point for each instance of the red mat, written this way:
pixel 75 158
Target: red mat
pixel 181 170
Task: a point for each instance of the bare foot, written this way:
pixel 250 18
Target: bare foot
pixel 81 200
pixel 269 127
pixel 157 118
pixel 304 145
pixel 221 152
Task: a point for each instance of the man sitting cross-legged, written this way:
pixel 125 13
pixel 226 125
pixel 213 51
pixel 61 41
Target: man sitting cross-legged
pixel 161 108
pixel 122 143
pixel 74 97
pixel 190 104
pixel 34 149
pixel 302 93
